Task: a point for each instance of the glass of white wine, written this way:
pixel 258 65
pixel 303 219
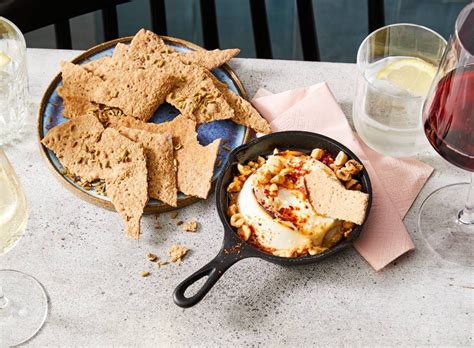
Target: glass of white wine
pixel 23 300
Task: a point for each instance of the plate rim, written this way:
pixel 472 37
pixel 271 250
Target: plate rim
pixel 98 201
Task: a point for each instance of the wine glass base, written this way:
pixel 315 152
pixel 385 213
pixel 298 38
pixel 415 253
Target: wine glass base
pixel 24 309
pixel 438 222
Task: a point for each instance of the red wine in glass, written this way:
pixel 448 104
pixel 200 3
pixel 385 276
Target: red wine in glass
pixel 449 123
pixel 446 218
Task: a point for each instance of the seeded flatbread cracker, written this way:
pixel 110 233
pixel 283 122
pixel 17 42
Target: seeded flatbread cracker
pixel 160 163
pixel 90 152
pixel 330 198
pixel 126 179
pixel 196 96
pixel 244 113
pixel 129 90
pixel 74 143
pixel 76 106
pixel 195 162
pixel 150 43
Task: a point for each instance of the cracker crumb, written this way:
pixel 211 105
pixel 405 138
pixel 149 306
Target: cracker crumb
pixel 145 274
pixel 161 263
pixel 174 214
pixel 177 252
pixel 190 226
pixel 151 257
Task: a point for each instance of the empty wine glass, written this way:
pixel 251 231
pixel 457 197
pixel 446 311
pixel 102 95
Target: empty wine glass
pixel 448 117
pixel 23 300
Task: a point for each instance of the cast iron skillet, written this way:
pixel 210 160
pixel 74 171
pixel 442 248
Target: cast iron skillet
pixel 233 248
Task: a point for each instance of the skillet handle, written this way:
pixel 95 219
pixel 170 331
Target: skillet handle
pixel 214 270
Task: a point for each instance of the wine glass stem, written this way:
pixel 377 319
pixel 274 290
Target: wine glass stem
pixel 466 216
pixel 3 299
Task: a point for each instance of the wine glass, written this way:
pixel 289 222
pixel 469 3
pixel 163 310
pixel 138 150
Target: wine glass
pixel 13 82
pixel 23 300
pixel 448 117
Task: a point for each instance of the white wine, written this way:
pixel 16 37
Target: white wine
pixel 13 208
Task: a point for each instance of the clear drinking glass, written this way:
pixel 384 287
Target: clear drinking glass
pixel 13 82
pixel 23 300
pixel 396 65
pixel 448 117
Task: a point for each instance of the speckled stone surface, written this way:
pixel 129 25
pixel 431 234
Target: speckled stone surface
pixel 92 272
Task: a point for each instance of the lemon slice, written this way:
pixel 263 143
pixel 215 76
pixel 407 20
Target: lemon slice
pixel 4 60
pixel 413 75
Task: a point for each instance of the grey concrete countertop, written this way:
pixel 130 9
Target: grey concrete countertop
pixel 98 297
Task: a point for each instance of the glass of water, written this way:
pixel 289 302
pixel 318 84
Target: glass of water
pixel 396 65
pixel 13 82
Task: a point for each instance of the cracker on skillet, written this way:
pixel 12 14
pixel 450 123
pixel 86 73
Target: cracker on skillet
pixel 126 179
pixel 330 198
pixel 74 144
pixel 160 163
pixel 129 90
pixel 195 162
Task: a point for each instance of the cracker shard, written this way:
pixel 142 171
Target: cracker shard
pixel 195 162
pixel 74 144
pixel 244 113
pixel 126 179
pixel 149 42
pixel 160 165
pixel 127 89
pixel 330 198
pixel 90 152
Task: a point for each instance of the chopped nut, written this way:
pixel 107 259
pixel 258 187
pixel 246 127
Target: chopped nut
pixel 343 174
pixel 234 187
pixel 190 226
pixel 316 250
pixel 264 177
pixel 151 257
pixel 177 252
pixel 273 189
pixel 351 183
pixel 354 167
pixel 237 220
pixel 161 263
pixel 347 225
pixel 341 158
pixel 244 170
pixel 174 214
pixel 232 209
pixel 317 154
pixel 334 167
pixel 274 165
pixel 244 232
pixel 278 179
pixel 145 274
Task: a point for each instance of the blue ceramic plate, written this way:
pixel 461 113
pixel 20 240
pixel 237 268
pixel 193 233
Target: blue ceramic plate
pixel 232 134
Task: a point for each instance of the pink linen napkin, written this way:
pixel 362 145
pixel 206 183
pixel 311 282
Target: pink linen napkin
pixel 396 182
